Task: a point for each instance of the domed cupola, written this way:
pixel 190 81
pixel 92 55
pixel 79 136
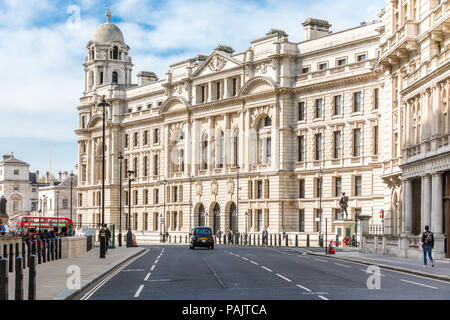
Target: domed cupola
pixel 107 61
pixel 108 32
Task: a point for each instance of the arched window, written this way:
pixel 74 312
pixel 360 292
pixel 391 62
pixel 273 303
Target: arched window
pixel 264 141
pixel 220 150
pixel 205 152
pixel 201 215
pixel 116 53
pixel 233 218
pixel 216 225
pixel 115 77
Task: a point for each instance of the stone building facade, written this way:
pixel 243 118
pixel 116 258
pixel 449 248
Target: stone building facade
pixel 269 137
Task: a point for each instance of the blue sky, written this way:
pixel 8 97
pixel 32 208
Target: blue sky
pixel 44 45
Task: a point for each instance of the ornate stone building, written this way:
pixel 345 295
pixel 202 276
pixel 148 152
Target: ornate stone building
pixel 415 58
pixel 269 137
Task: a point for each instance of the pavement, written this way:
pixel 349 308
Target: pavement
pixel 441 270
pixel 52 278
pixel 174 272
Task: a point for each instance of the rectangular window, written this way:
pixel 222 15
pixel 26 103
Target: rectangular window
pixel 145 196
pixel 175 194
pixel 323 66
pixel 301 188
pixel 136 197
pixel 358 186
pixel 357 142
pixel 135 139
pixel 203 93
pixel 375 140
pixel 301 111
pixel 16 172
pixel 301 148
pixel 375 98
pixel 218 90
pixel 145 160
pixel 341 62
pixel 318 145
pixel 305 70
pixel 126 140
pixel 361 57
pixel 319 110
pixel 318 220
pixel 155 165
pixel 135 167
pixel 145 221
pixel 337 186
pixel 337 145
pixel 259 189
pixel 145 137
pixel 319 188
pixel 125 165
pixel 234 87
pixel 301 220
pixel 156 197
pixel 156 136
pixel 260 220
pixel 126 198
pixel 337 105
pixel 269 150
pixel 80 199
pixel 357 101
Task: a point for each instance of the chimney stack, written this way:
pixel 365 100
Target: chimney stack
pixel 59 176
pixel 37 175
pixel 145 77
pixel 315 28
pixel 47 177
pixel 65 174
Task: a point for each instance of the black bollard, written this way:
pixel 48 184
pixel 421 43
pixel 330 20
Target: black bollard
pixel 287 240
pixel 4 279
pixel 11 257
pixel 44 251
pixel 19 279
pixel 56 249
pixel 60 248
pixel 39 247
pixel 270 239
pixel 307 240
pixel 24 255
pixel 254 239
pixel 49 255
pixel 296 240
pixel 279 240
pixel 28 253
pixel 32 278
pixel 258 240
pixel 52 250
pixel 337 241
pixel 5 251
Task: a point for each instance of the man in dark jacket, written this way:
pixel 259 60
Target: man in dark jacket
pixel 427 244
pixel 108 236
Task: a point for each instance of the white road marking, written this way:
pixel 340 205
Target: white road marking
pixel 320 260
pixel 323 298
pixel 156 261
pixel 138 292
pixel 289 280
pixel 147 276
pixel 98 286
pixel 304 288
pixel 153 267
pixel 419 284
pixel 244 258
pixel 266 269
pixel 254 262
pixel 342 265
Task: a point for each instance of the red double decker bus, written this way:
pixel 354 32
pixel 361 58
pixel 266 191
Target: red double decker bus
pixel 25 223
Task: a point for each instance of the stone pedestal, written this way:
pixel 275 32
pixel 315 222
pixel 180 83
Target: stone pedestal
pixel 364 219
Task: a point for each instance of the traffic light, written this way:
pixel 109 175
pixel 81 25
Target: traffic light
pixel 382 213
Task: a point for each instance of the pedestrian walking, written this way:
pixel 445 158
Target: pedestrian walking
pixel 427 245
pixel 108 235
pixel 230 237
pixel 2 228
pixel 264 236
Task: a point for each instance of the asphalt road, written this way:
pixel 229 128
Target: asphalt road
pixel 174 272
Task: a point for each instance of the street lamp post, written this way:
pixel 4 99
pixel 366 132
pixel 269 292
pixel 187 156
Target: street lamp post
pixel 102 234
pixel 164 210
pixel 129 234
pixel 120 199
pixel 237 202
pixel 71 195
pixel 320 204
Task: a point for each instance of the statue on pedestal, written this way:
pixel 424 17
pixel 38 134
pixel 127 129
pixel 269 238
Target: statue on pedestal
pixel 343 202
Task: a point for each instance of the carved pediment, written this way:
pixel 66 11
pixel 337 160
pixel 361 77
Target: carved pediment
pixel 215 63
pixel 173 104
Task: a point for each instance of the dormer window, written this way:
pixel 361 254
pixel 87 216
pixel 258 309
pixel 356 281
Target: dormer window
pixel 323 66
pixel 361 57
pixel 341 62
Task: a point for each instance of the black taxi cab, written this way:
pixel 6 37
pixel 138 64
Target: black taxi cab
pixel 201 237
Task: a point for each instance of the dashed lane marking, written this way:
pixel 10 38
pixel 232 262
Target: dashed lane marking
pixel 321 260
pixel 282 277
pixel 419 284
pixel 323 298
pixel 304 288
pixel 254 262
pixel 138 292
pixel 266 269
pixel 147 276
pixel 153 267
pixel 342 265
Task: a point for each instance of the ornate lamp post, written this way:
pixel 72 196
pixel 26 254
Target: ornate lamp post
pixel 71 195
pixel 320 206
pixel 237 204
pixel 120 199
pixel 102 234
pixel 129 233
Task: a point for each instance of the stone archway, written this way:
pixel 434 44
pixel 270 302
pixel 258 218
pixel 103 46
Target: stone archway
pixel 201 216
pixel 215 214
pixel 231 219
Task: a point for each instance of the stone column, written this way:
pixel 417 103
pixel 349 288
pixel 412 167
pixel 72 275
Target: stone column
pixel 436 113
pixel 436 216
pixel 408 207
pixel 226 89
pixel 426 202
pixel 188 148
pixel 427 112
pixel 210 91
pixel 407 124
